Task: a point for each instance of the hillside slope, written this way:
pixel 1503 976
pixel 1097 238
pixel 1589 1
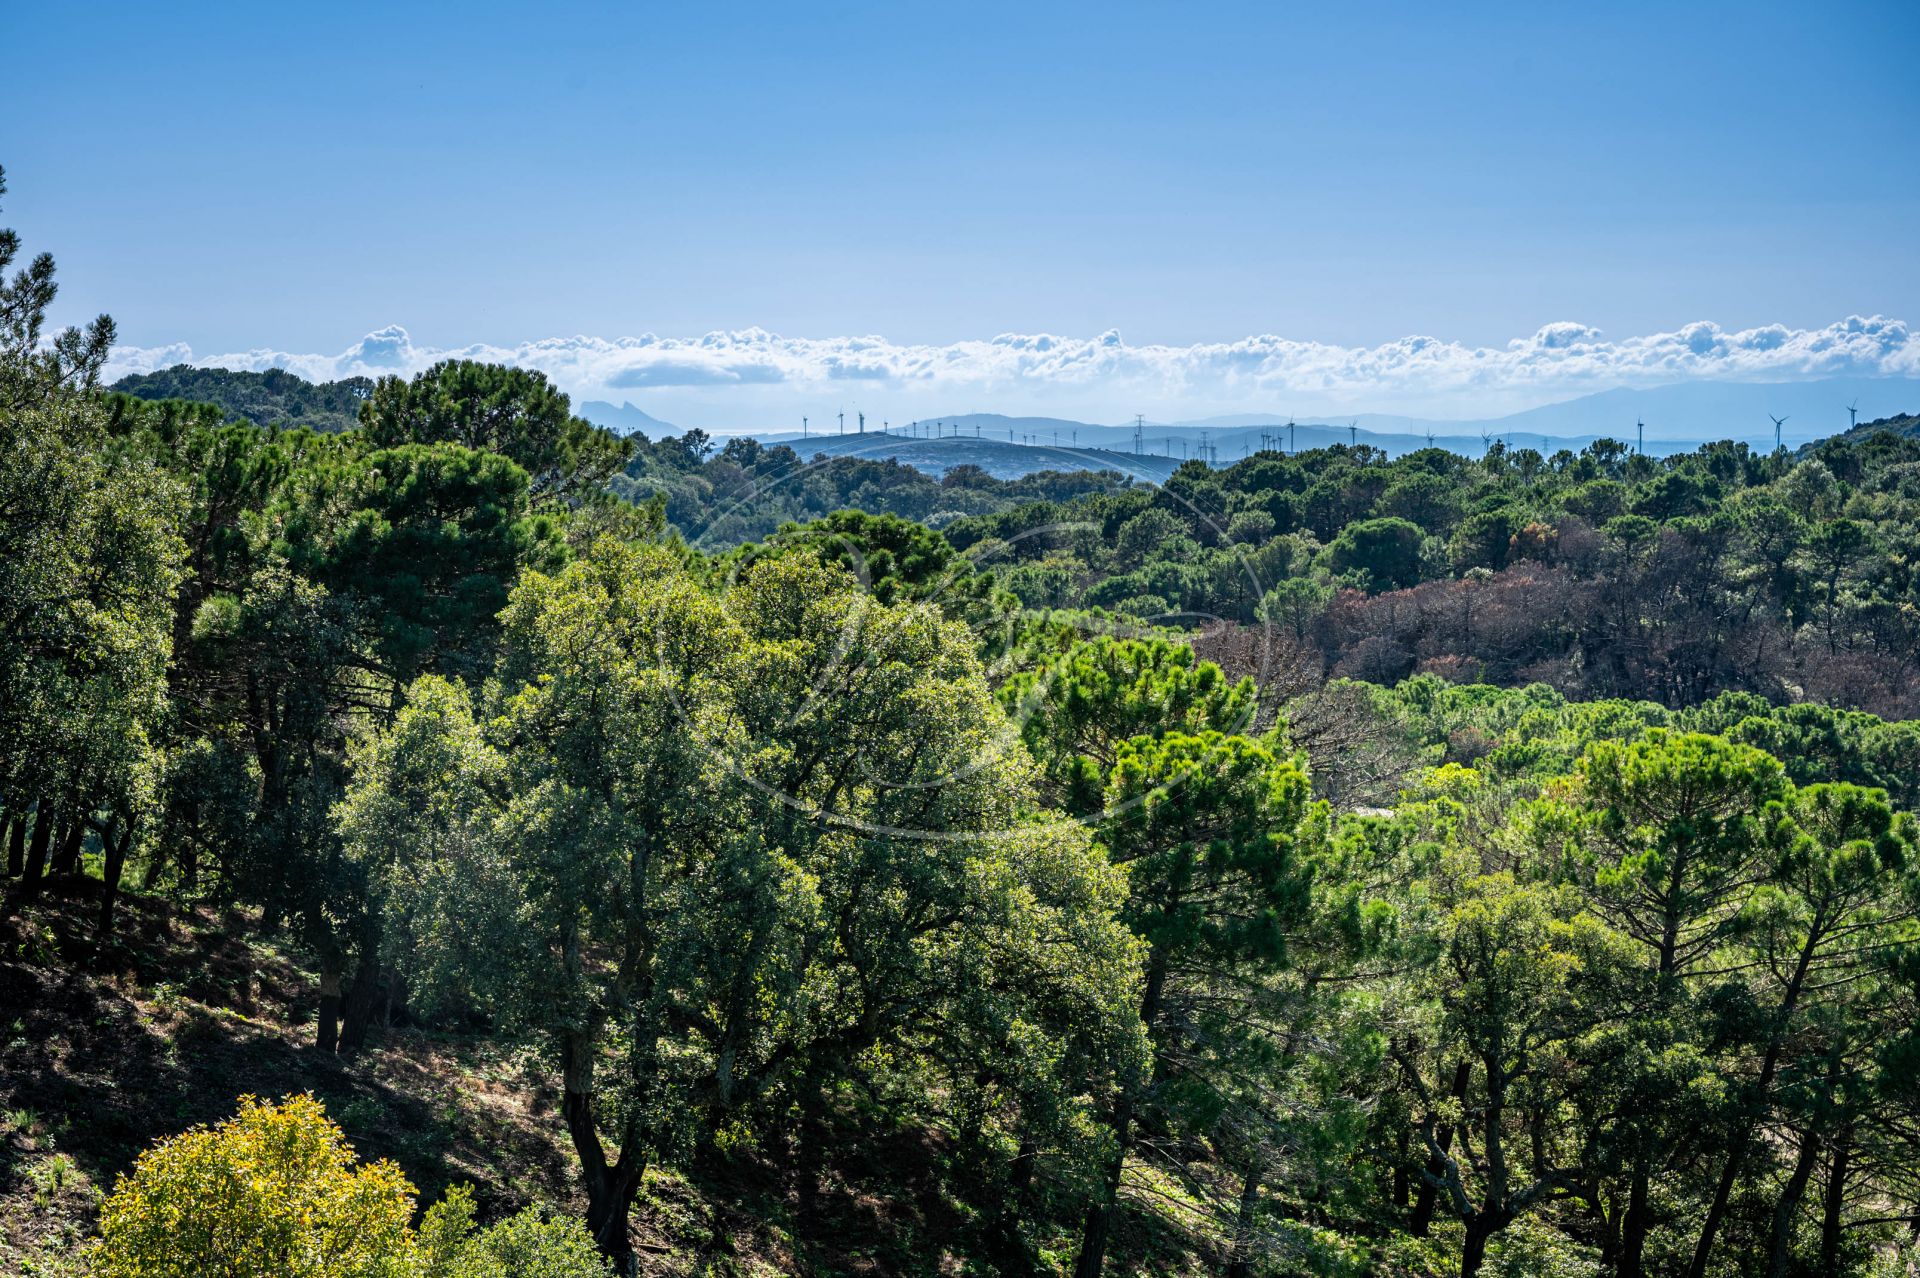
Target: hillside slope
pixel 1903 424
pixel 103 1054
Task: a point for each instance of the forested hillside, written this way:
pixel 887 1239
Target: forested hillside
pixel 660 860
pixel 273 398
pixel 1907 424
pixel 1604 573
pixel 718 497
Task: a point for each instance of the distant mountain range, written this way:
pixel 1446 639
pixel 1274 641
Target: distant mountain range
pixel 1696 412
pixel 1677 419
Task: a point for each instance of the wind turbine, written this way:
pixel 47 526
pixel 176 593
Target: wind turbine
pixel 803 428
pixel 1641 427
pixel 1777 423
pixel 1290 447
pixel 1853 414
pixel 1353 433
pixel 843 423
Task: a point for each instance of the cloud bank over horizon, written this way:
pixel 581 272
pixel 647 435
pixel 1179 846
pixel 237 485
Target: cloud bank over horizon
pixel 753 379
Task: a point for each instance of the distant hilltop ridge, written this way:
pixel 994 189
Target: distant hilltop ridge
pixel 1676 418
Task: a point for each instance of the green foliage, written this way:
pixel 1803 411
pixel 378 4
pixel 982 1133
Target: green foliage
pixel 779 890
pixel 514 412
pixel 528 1244
pixel 271 398
pixel 747 490
pixel 900 825
pixel 1385 552
pixel 1076 709
pixel 430 537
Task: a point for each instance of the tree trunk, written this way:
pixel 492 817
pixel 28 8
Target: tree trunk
pixel 327 1026
pixel 66 861
pixel 1639 1220
pixel 1473 1250
pixel 17 844
pixel 1020 1173
pixel 114 848
pixel 150 876
pixel 610 1216
pixel 610 1188
pixel 363 999
pixel 1609 1219
pixel 1242 1264
pixel 1098 1227
pixel 1763 1088
pixel 1423 1205
pixel 1402 1174
pixel 1780 1258
pixel 35 869
pixel 1011 1255
pixel 1833 1209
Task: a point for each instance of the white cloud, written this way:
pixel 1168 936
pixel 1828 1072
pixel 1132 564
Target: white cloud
pixel 751 374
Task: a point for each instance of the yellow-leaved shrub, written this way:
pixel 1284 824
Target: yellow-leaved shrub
pixel 271 1193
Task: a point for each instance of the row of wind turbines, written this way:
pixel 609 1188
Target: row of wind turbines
pixel 1270 440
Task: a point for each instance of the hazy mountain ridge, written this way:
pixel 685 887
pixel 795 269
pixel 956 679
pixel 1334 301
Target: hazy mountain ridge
pixel 1677 418
pixel 625 419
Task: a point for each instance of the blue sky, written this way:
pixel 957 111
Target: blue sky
pixel 291 177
